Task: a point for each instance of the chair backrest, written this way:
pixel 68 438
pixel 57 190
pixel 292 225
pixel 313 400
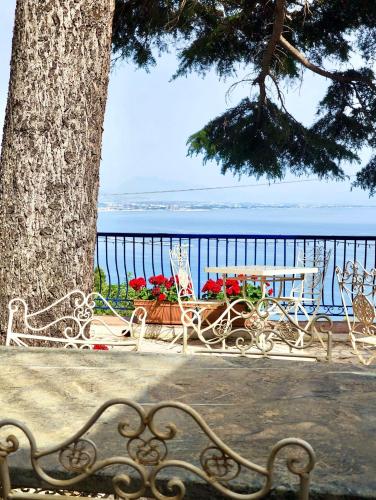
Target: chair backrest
pixel 358 290
pixel 68 322
pixel 179 258
pixel 312 286
pixel 140 446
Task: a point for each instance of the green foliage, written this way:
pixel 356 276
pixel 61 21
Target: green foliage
pixel 252 292
pixel 100 279
pixel 241 145
pixel 258 136
pixel 119 297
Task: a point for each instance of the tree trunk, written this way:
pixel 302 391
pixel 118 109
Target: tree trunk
pixel 49 169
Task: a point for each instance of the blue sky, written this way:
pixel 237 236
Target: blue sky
pixel 148 120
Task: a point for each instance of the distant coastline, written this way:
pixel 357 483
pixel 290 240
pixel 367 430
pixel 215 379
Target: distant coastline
pixel 191 206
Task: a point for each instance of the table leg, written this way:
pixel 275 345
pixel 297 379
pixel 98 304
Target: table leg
pixel 263 286
pixel 224 276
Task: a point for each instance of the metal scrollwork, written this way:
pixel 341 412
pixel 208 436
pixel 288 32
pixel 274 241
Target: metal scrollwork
pixel 218 465
pixel 364 310
pixel 358 292
pixel 221 329
pixel 149 453
pixel 72 324
pixel 78 456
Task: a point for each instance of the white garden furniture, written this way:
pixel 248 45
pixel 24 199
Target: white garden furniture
pixel 259 334
pixel 306 292
pixel 68 322
pixel 193 311
pixel 305 296
pixel 358 290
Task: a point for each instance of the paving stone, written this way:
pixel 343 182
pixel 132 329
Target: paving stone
pixel 250 403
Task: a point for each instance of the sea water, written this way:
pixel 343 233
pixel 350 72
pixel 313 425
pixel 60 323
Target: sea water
pixel 296 220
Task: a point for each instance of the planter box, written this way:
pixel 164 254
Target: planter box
pixel 161 313
pixel 220 309
pixel 169 313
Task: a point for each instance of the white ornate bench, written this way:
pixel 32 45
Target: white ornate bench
pixel 68 322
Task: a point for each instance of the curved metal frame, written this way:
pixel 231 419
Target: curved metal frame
pixel 307 292
pixel 147 446
pixel 259 334
pixel 358 290
pixel 74 328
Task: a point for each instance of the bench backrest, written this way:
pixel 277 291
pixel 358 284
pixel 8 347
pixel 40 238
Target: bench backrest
pixel 152 455
pixel 68 322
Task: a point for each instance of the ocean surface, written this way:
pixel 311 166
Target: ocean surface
pixel 298 220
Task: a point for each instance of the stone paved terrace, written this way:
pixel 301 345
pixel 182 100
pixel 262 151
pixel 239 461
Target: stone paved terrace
pixel 158 338
pixel 250 403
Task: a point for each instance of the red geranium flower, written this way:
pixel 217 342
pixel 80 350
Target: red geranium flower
pixel 211 286
pixel 208 286
pixel 101 347
pixel 216 288
pixel 158 280
pixel 233 290
pixel 270 291
pixel 156 290
pixel 162 297
pixel 232 282
pixel 137 283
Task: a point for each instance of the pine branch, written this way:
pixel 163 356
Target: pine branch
pixel 336 76
pixel 269 53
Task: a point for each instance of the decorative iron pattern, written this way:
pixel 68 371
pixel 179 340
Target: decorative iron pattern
pixel 121 255
pixel 71 329
pixel 267 323
pixel 150 454
pixel 358 292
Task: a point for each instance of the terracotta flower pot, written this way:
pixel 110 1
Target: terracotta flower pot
pixel 220 309
pixel 169 313
pixel 161 313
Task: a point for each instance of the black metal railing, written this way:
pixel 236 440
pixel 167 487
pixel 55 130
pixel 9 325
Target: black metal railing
pixel 121 256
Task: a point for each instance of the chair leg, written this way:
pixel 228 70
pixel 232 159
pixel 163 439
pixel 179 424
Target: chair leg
pixel 141 335
pixel 185 340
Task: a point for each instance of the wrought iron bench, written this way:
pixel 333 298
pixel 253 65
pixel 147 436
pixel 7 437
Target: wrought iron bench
pixel 146 466
pixel 68 322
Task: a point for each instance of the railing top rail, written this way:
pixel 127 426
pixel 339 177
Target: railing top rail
pixel 239 236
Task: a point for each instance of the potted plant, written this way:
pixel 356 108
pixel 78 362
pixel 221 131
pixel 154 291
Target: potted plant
pixel 214 290
pixel 160 300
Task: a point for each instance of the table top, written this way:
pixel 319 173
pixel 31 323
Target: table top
pixel 249 403
pixel 261 271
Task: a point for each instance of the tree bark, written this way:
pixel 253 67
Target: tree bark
pixel 49 168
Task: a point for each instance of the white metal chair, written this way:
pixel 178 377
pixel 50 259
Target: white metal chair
pixel 358 290
pixel 68 323
pixel 308 291
pixel 193 311
pixel 306 294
